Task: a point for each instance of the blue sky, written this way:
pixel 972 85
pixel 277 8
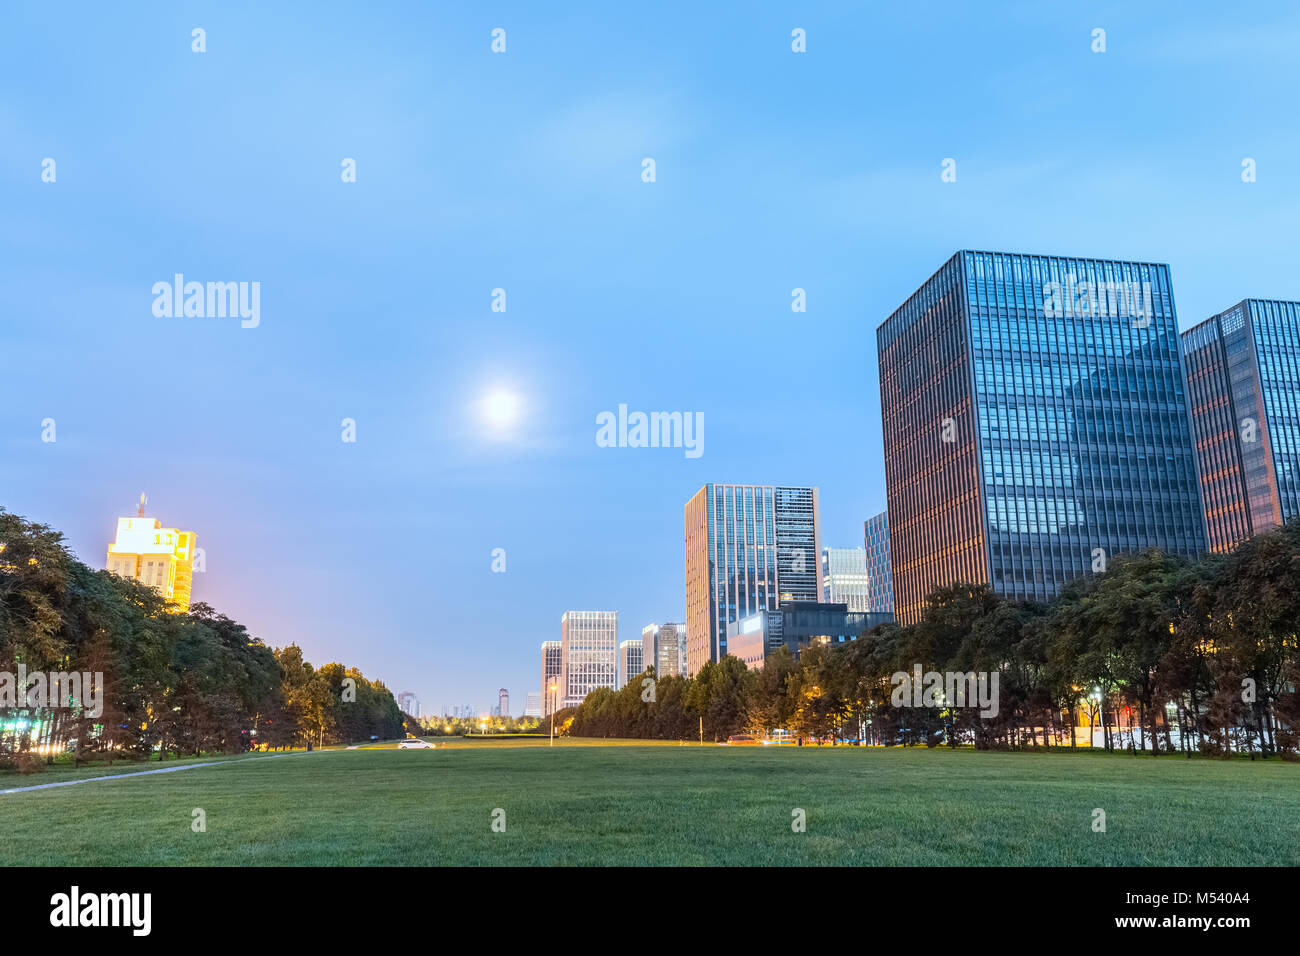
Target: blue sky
pixel 522 171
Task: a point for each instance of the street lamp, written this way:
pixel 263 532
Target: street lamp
pixel 552 690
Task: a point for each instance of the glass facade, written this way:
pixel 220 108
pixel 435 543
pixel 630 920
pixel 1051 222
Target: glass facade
pixel 1035 419
pixel 880 590
pixel 748 547
pixel 1243 366
pixel 844 577
pixel 797 625
pixel 798 545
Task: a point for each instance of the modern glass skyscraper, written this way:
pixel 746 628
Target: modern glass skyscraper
pixel 798 544
pixel 589 646
pixel 844 577
pixel 880 581
pixel 748 548
pixel 1243 380
pixel 1035 424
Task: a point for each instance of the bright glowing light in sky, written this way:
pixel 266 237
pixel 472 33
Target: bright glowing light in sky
pixel 501 409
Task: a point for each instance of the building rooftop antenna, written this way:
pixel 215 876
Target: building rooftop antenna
pixel 139 512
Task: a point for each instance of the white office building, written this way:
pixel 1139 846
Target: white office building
pixel 589 652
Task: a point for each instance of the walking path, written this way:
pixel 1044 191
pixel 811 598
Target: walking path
pixel 142 773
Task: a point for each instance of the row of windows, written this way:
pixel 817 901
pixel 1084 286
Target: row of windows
pixel 1011 331
pixel 931 472
pixel 1110 461
pixel 1276 328
pixel 1075 383
pixel 880 595
pixel 1214 426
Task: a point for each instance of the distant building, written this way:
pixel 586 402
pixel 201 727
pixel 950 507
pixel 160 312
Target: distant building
pixel 650 644
pixel 552 676
pixel 663 647
pixel 159 558
pixel 589 648
pixel 629 661
pixel 1243 366
pixel 798 624
pixel 533 704
pixel 408 703
pixel 748 548
pixel 844 577
pixel 880 580
pixel 503 705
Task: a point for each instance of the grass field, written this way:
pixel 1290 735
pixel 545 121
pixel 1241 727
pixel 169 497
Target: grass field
pixel 585 803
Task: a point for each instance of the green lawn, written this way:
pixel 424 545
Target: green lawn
pixel 584 804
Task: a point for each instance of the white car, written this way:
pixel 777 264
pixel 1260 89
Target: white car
pixel 415 743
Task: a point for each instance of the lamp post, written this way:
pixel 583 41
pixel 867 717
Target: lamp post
pixel 552 690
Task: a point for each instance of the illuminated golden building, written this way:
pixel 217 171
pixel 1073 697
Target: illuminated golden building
pixel 158 557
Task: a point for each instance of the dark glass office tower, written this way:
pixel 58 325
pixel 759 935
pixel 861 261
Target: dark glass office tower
pixel 1243 380
pixel 1035 424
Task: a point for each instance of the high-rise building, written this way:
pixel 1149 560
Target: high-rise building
pixel 880 589
pixel 408 703
pixel 1035 425
pixel 552 676
pixel 1243 381
pixel 661 648
pixel 157 557
pixel 589 647
pixel 533 704
pixel 503 705
pixel 748 548
pixel 629 661
pixel 670 650
pixel 844 577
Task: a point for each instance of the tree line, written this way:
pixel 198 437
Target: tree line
pixel 173 683
pixel 1158 653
